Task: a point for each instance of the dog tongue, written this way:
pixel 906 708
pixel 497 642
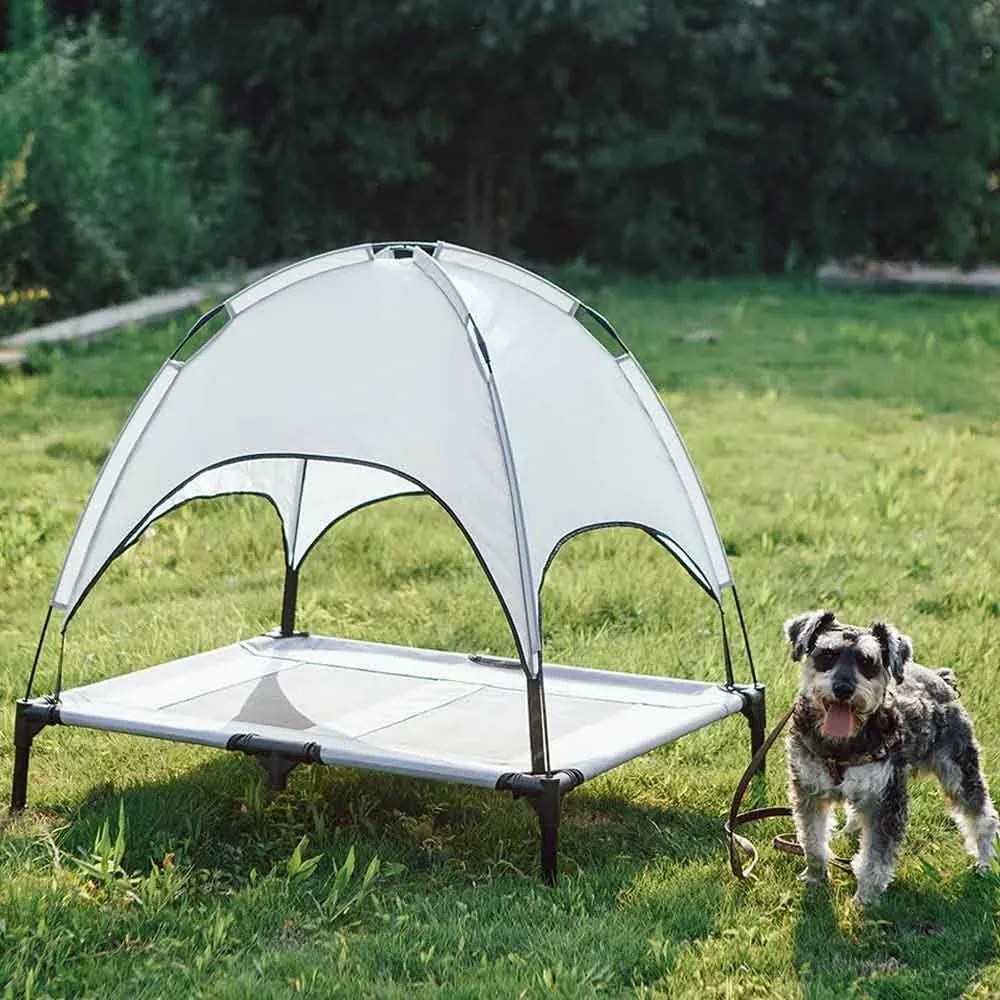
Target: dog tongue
pixel 838 721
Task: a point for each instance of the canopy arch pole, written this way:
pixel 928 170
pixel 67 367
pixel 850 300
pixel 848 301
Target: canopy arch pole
pixel 726 653
pixel 38 653
pixel 746 636
pixel 433 270
pixel 538 729
pixel 289 599
pixel 538 732
pixel 605 324
pixel 199 323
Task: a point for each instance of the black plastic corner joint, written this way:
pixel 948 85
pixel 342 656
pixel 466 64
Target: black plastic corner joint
pixel 30 719
pixel 278 757
pixel 524 785
pixel 277 768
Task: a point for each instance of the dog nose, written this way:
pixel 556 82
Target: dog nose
pixel 842 690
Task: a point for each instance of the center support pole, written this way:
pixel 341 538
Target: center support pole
pixel 288 601
pixel 536 726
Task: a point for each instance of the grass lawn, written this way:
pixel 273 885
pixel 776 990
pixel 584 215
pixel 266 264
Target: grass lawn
pixel 850 448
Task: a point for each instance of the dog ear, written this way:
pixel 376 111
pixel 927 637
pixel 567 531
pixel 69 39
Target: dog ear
pixel 897 650
pixel 803 630
pixel 905 648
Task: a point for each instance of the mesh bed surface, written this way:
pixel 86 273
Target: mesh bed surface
pixel 409 711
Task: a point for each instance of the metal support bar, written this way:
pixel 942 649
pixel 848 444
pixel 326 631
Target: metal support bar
pixel 726 653
pixel 288 602
pixel 755 711
pixel 29 721
pixel 536 726
pixel 746 635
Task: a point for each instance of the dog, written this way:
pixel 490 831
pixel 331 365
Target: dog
pixel 866 717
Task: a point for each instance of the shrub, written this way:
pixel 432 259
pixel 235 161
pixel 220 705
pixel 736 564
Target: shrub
pixel 18 305
pixel 131 191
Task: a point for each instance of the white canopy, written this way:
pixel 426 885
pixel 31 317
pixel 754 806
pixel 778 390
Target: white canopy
pixel 363 374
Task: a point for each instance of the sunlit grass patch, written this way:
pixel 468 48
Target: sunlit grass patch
pixel 850 449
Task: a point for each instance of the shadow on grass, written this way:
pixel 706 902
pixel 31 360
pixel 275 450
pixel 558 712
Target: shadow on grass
pixel 649 881
pixel 221 814
pixel 653 885
pixel 927 937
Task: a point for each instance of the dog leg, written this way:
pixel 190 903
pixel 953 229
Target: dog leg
pixel 883 824
pixel 958 769
pixel 812 828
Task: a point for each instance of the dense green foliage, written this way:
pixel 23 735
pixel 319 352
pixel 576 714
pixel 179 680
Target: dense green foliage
pixel 637 133
pixel 669 135
pixel 129 189
pixel 849 446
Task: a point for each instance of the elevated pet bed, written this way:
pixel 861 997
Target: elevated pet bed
pixel 368 373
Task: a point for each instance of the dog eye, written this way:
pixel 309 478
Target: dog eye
pixel 824 661
pixel 868 666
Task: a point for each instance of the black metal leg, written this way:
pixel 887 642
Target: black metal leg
pixel 26 728
pixel 544 792
pixel 19 788
pixel 755 710
pixel 548 806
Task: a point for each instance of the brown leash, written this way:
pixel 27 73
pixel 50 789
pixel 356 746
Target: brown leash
pixel 783 842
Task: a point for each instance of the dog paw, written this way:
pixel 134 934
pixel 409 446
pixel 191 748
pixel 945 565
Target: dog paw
pixel 868 893
pixel 813 876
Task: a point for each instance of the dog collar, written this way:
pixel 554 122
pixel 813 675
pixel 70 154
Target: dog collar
pixel 836 766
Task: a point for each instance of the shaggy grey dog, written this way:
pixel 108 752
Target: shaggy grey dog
pixel 866 717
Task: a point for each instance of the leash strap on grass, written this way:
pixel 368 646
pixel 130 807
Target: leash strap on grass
pixel 782 842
